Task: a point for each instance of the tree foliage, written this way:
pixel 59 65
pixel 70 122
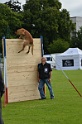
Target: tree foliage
pixel 45 17
pixel 15 5
pixel 76 40
pixel 9 21
pixel 58 46
pixel 42 17
pixel 65 25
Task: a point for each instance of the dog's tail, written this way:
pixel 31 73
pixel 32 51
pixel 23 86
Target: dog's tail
pixel 32 47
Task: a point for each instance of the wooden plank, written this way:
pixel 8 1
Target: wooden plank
pixel 17 63
pixel 24 68
pixel 26 78
pixel 20 62
pixel 24 98
pixel 36 40
pixel 26 94
pixel 18 45
pixel 15 50
pixel 24 55
pixel 23 88
pixel 12 53
pixel 22 76
pixel 15 44
pixel 24 82
pixel 23 92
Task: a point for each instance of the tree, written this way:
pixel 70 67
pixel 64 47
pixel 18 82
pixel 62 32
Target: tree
pixel 9 22
pixel 77 39
pixel 45 17
pixel 58 46
pixel 15 5
pixel 41 18
pixel 65 25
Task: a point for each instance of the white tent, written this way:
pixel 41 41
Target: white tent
pixel 71 59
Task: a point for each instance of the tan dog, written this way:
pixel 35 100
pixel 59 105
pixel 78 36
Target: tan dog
pixel 27 39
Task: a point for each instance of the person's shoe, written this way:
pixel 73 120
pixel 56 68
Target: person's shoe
pixel 52 97
pixel 42 98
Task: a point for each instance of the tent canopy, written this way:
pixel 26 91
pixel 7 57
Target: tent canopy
pixel 69 60
pixel 72 51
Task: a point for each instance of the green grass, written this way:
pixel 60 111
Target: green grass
pixel 66 108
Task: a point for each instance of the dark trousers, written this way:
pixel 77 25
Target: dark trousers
pixel 41 85
pixel 1 120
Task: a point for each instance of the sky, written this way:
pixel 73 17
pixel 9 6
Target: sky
pixel 73 6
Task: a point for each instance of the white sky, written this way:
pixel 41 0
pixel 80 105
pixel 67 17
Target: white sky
pixel 3 1
pixel 73 6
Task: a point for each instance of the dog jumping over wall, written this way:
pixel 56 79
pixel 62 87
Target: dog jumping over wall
pixel 27 39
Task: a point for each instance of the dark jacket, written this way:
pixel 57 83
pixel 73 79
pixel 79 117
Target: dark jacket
pixel 44 70
pixel 1 84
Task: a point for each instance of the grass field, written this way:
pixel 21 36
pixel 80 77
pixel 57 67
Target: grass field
pixel 66 108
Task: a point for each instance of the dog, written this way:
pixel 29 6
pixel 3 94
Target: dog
pixel 27 39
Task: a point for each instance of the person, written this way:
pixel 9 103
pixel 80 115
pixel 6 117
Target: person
pixel 1 94
pixel 44 77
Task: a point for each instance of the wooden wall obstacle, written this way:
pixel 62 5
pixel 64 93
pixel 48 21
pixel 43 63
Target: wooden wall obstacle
pixel 21 71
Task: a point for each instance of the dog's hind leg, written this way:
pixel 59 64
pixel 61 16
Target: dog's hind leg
pixel 32 49
pixel 22 48
pixel 28 50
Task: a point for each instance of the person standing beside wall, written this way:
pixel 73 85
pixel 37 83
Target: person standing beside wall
pixel 44 77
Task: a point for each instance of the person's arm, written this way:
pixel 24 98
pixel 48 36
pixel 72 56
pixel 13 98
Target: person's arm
pixel 1 84
pixel 38 77
pixel 50 72
pixel 50 76
pixel 38 74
